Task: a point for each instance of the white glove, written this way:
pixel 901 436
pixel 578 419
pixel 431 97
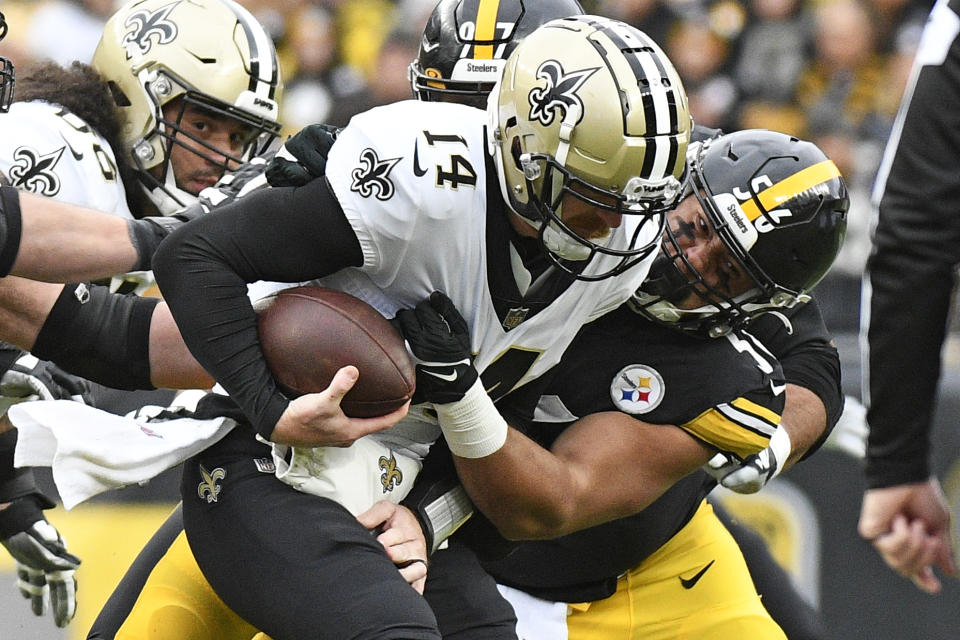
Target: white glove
pixel 754 472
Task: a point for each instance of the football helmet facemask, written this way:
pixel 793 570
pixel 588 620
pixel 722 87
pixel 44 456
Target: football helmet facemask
pixel 212 54
pixel 466 42
pixel 590 107
pixel 7 77
pixel 778 204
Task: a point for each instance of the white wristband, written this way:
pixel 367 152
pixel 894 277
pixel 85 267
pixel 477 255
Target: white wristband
pixel 472 425
pixel 781 447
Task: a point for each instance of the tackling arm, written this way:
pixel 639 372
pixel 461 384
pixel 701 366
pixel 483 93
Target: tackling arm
pixel 531 492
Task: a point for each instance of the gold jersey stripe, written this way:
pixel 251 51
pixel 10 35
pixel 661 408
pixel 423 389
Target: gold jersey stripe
pixel 762 412
pixel 787 188
pixel 486 28
pixel 717 430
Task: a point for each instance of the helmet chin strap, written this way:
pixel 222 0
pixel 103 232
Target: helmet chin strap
pixel 167 197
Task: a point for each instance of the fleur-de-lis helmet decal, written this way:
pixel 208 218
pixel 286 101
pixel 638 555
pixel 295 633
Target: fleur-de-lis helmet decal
pixel 559 95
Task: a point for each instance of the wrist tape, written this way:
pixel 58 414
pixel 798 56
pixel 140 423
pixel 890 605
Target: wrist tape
pixel 781 447
pixel 472 425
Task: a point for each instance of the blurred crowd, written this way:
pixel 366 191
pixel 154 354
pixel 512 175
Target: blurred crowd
pixel 831 71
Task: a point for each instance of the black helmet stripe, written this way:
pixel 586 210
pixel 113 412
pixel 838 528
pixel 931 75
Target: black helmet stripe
pixel 659 100
pixel 264 66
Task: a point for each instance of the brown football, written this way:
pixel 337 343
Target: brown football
pixel 308 333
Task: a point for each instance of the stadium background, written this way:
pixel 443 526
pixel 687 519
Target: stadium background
pixel 829 70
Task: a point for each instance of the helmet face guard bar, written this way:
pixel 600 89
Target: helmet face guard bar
pixel 703 193
pixel 558 182
pixel 261 133
pixel 427 89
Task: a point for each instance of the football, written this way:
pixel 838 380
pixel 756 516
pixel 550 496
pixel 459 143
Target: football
pixel 307 333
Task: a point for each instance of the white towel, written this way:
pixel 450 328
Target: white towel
pixel 91 451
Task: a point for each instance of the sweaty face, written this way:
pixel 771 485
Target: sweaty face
pixel 706 257
pixel 205 145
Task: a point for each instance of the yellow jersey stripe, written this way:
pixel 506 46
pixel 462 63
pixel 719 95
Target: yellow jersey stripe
pixel 717 430
pixel 486 28
pixel 758 410
pixel 773 196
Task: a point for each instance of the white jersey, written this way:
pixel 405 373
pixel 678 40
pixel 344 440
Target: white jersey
pixel 417 198
pixel 48 150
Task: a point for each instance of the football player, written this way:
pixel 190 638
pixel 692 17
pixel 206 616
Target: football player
pixel 677 358
pixel 147 122
pixel 535 216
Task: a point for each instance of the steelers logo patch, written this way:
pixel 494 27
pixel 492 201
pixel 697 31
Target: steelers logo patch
pixel 637 389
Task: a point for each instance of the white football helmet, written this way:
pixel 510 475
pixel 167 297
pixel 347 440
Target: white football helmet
pixel 591 107
pixel 211 53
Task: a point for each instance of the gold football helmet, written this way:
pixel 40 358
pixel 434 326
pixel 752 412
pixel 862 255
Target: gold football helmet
pixel 211 53
pixel 591 107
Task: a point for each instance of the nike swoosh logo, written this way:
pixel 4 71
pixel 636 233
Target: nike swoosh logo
pixel 77 155
pixel 689 583
pixel 449 377
pixel 417 169
pixel 428 47
pixel 777 388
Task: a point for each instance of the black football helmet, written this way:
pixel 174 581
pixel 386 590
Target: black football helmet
pixel 466 42
pixel 779 204
pixel 7 78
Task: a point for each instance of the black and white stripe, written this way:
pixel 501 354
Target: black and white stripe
pixel 660 100
pixel 264 65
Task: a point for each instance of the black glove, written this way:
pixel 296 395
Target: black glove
pixel 439 339
pixel 44 566
pixel 31 379
pixel 302 157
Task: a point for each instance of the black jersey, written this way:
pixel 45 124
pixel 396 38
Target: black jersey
pixel 727 392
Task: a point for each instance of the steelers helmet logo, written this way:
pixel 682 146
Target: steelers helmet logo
pixel 637 389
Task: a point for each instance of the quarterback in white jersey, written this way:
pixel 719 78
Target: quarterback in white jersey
pixel 534 218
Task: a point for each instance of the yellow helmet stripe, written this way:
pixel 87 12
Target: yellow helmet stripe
pixel 788 188
pixel 486 28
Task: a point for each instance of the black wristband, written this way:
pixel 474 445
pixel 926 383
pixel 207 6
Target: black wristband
pixel 11 227
pixel 16 482
pixel 99 336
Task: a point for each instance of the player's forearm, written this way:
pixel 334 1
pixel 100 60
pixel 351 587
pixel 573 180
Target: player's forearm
pixel 61 242
pixel 805 419
pixel 172 366
pixel 603 467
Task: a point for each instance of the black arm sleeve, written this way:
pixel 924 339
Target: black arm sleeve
pixel 910 275
pixel 808 357
pixel 281 235
pixel 10 228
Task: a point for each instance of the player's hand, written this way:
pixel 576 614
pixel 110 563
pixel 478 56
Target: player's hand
pixel 45 569
pixel 32 379
pixel 316 419
pixel 302 157
pixel 439 339
pixel 756 470
pixel 909 525
pixel 398 530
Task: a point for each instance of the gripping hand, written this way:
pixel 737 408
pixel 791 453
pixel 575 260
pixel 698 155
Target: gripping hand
pixel 45 569
pixel 439 339
pixel 303 157
pixel 29 378
pixel 756 470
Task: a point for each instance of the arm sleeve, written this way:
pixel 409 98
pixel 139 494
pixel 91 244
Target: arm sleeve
pixel 910 274
pixel 10 227
pixel 281 235
pixel 808 357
